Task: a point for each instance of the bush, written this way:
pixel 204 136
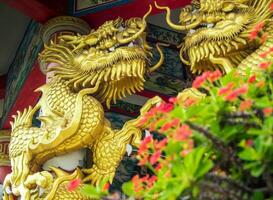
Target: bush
pixel 215 144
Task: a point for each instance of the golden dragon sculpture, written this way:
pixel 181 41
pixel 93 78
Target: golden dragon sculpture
pixel 217 33
pixel 103 66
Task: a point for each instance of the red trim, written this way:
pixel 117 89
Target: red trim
pixel 43 10
pixel 4 170
pixel 137 8
pixel 36 78
pixel 27 96
pixel 34 9
pixel 2 86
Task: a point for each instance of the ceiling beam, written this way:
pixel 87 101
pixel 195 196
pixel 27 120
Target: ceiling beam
pixel 136 8
pixel 43 10
pixel 34 9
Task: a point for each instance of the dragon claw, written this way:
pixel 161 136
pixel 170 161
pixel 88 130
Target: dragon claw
pixel 95 177
pixel 150 103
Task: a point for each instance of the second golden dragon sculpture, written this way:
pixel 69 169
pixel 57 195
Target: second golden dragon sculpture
pixel 103 66
pixel 217 33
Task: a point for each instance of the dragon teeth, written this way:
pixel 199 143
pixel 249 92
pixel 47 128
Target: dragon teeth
pixel 131 44
pixel 210 25
pixel 192 31
pixel 112 49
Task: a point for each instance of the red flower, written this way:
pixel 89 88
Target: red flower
pixel 264 37
pixel 198 82
pixel 260 84
pixel 226 89
pixel 165 107
pixel 169 125
pixel 137 183
pixel 166 127
pixel 242 90
pixel 249 143
pixel 173 100
pixel 143 160
pixel 234 94
pixel 158 167
pixel 188 102
pixel 264 54
pixel 155 157
pixel 267 111
pixel 151 181
pixel 144 178
pixel 143 147
pixel 73 185
pixel 253 35
pixel 185 152
pixel 175 122
pixel 152 126
pixel 271 7
pixel 265 65
pixel 142 120
pixel 106 186
pixel 152 112
pixel 183 133
pixel 210 76
pixel 161 144
pixel 245 105
pixel 215 75
pixel 259 26
pixel 252 79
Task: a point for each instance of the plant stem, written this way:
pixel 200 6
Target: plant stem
pixel 220 145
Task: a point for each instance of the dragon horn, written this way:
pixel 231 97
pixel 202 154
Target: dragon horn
pixel 122 40
pixel 175 26
pixel 161 60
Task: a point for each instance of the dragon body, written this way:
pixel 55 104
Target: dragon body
pixel 106 65
pixel 217 33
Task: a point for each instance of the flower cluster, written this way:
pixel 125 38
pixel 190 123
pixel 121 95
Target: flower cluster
pixel 225 134
pixel 206 76
pixel 143 183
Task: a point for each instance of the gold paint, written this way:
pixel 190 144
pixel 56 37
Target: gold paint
pixel 221 38
pixel 104 66
pixel 4 140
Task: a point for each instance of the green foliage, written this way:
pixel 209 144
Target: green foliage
pixel 96 192
pixel 232 133
pixel 218 147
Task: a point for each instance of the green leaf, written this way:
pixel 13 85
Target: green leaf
pixel 258 196
pixel 178 112
pixel 128 188
pixel 257 171
pixel 91 191
pixel 173 147
pixel 195 191
pixel 204 168
pixel 249 154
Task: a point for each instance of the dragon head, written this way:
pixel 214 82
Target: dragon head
pixel 217 32
pixel 114 58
